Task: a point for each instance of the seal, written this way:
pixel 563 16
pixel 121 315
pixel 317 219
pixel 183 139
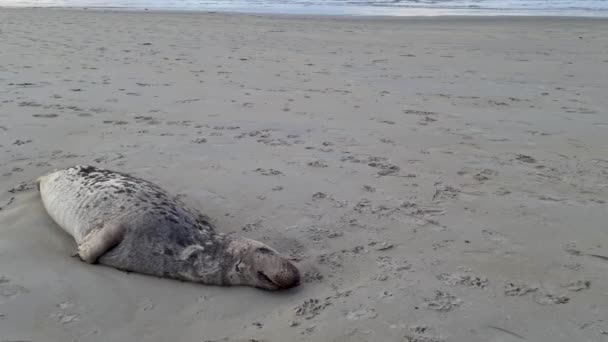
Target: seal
pixel 133 225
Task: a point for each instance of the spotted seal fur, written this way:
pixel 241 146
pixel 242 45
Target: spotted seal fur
pixel 132 224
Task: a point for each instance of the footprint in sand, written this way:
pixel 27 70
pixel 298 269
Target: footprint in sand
pixel 317 163
pixel 468 280
pixel 145 304
pixel 120 122
pixel 9 290
pixel 360 314
pixel 311 308
pixel 268 172
pixel 19 142
pixel 49 116
pixel 442 302
pixel 421 333
pixel 547 298
pixel 65 313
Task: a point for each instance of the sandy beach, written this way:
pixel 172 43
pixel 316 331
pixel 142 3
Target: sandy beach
pixel 436 179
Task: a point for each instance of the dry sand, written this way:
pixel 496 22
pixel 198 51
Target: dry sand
pixel 436 179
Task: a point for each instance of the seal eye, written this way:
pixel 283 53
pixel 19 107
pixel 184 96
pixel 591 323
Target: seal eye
pixel 264 250
pixel 236 267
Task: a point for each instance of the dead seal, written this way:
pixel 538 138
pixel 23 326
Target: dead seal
pixel 133 225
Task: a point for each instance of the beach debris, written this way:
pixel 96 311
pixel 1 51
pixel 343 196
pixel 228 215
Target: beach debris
pixel 602 257
pixel 507 332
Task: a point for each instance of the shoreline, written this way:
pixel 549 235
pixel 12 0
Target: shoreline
pixel 351 12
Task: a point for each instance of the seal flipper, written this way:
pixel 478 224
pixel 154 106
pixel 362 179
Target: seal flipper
pixel 99 241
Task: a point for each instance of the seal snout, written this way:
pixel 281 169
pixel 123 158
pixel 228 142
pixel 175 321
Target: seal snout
pixel 279 274
pixel 287 277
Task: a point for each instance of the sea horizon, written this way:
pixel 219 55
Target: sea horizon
pixel 576 8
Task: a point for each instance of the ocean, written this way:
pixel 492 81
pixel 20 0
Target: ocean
pixel 594 8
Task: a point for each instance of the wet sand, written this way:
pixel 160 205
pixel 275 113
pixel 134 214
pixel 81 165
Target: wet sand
pixel 436 179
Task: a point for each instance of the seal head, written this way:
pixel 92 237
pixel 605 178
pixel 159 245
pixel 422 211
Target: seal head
pixel 256 264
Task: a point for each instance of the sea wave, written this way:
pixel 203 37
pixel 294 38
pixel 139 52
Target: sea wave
pixel 574 7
